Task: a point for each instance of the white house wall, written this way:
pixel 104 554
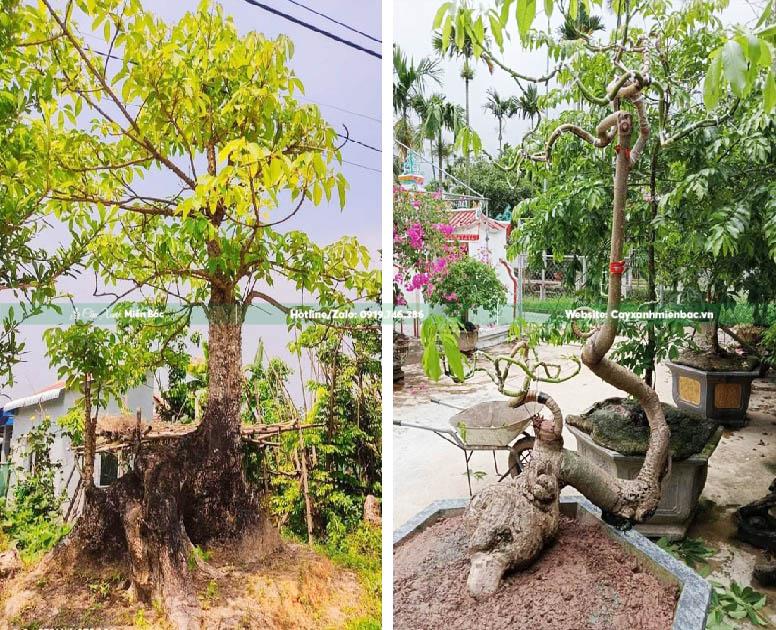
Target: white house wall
pixel 62 452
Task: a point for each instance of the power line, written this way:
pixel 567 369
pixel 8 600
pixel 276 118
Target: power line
pixel 363 144
pixel 368 168
pixel 309 26
pixel 323 15
pixel 341 109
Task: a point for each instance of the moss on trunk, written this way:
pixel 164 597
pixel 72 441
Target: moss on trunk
pixel 620 424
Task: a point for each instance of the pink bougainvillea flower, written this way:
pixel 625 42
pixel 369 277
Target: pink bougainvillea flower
pixel 451 297
pixel 415 235
pixel 419 280
pixel 439 265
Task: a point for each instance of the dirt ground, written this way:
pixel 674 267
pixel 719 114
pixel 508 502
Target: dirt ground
pixel 585 580
pixel 295 588
pixel 740 470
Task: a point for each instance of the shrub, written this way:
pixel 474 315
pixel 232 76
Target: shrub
pixel 31 519
pixel 469 284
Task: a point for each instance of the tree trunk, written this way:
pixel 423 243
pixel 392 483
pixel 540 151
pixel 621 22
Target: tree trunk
pixel 499 136
pixel 439 154
pixel 468 155
pixel 651 267
pixel 190 491
pixel 90 430
pixel 308 508
pixel 511 522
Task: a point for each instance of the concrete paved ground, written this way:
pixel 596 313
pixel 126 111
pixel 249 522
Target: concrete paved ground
pixel 426 468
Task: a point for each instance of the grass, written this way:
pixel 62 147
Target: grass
pixel 360 551
pixel 731 314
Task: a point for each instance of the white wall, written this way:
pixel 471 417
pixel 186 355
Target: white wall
pixel 62 453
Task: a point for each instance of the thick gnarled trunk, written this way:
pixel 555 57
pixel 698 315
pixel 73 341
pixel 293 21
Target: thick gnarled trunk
pixel 190 491
pixel 511 523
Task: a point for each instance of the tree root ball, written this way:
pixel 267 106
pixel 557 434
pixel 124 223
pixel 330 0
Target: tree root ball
pixel 509 524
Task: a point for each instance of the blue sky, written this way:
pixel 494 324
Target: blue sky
pixel 345 83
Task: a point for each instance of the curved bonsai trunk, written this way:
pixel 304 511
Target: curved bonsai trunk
pixel 511 522
pixel 193 490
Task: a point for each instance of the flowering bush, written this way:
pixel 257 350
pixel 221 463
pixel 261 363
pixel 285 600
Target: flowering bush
pixel 468 284
pixel 423 252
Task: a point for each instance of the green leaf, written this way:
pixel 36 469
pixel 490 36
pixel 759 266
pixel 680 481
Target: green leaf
pixel 769 92
pixel 495 28
pixel 525 12
pixel 573 9
pixel 440 14
pixel 431 364
pixel 712 88
pixel 341 188
pixel 548 6
pixel 734 66
pixel 447 29
pixel 460 31
pixel 454 356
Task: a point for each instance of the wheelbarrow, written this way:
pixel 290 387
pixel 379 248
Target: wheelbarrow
pixel 487 426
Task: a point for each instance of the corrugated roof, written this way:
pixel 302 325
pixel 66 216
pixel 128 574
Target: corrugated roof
pixel 46 394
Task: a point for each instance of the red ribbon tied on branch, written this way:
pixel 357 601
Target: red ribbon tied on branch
pixel 618 148
pixel 617 266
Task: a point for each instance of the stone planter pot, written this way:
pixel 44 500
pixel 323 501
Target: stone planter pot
pixel 718 395
pixel 401 344
pixel 693 605
pixel 467 341
pixel 680 491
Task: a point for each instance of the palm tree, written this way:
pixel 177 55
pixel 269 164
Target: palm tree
pixel 502 109
pixel 584 26
pixel 409 83
pixel 438 115
pixel 466 51
pixel 528 102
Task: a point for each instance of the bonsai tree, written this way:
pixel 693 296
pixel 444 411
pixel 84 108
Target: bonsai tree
pixel 214 112
pixel 510 523
pixel 468 284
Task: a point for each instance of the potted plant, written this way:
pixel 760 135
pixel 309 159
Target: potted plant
pixel 614 434
pixel 468 284
pixel 712 381
pixel 423 250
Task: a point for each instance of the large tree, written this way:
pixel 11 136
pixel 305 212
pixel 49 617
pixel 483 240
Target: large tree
pixel 502 110
pixel 437 114
pixel 410 80
pixel 511 523
pixel 213 115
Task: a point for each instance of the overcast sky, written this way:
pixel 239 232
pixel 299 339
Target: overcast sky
pixel 413 20
pixel 345 83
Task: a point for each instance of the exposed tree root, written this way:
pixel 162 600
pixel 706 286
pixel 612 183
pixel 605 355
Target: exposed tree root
pixel 147 518
pixel 512 521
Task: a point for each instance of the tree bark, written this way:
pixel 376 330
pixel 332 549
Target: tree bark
pixel 90 430
pixel 651 266
pixel 439 154
pixel 190 491
pixel 510 523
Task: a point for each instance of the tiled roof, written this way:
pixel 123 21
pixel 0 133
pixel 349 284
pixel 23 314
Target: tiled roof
pixel 467 218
